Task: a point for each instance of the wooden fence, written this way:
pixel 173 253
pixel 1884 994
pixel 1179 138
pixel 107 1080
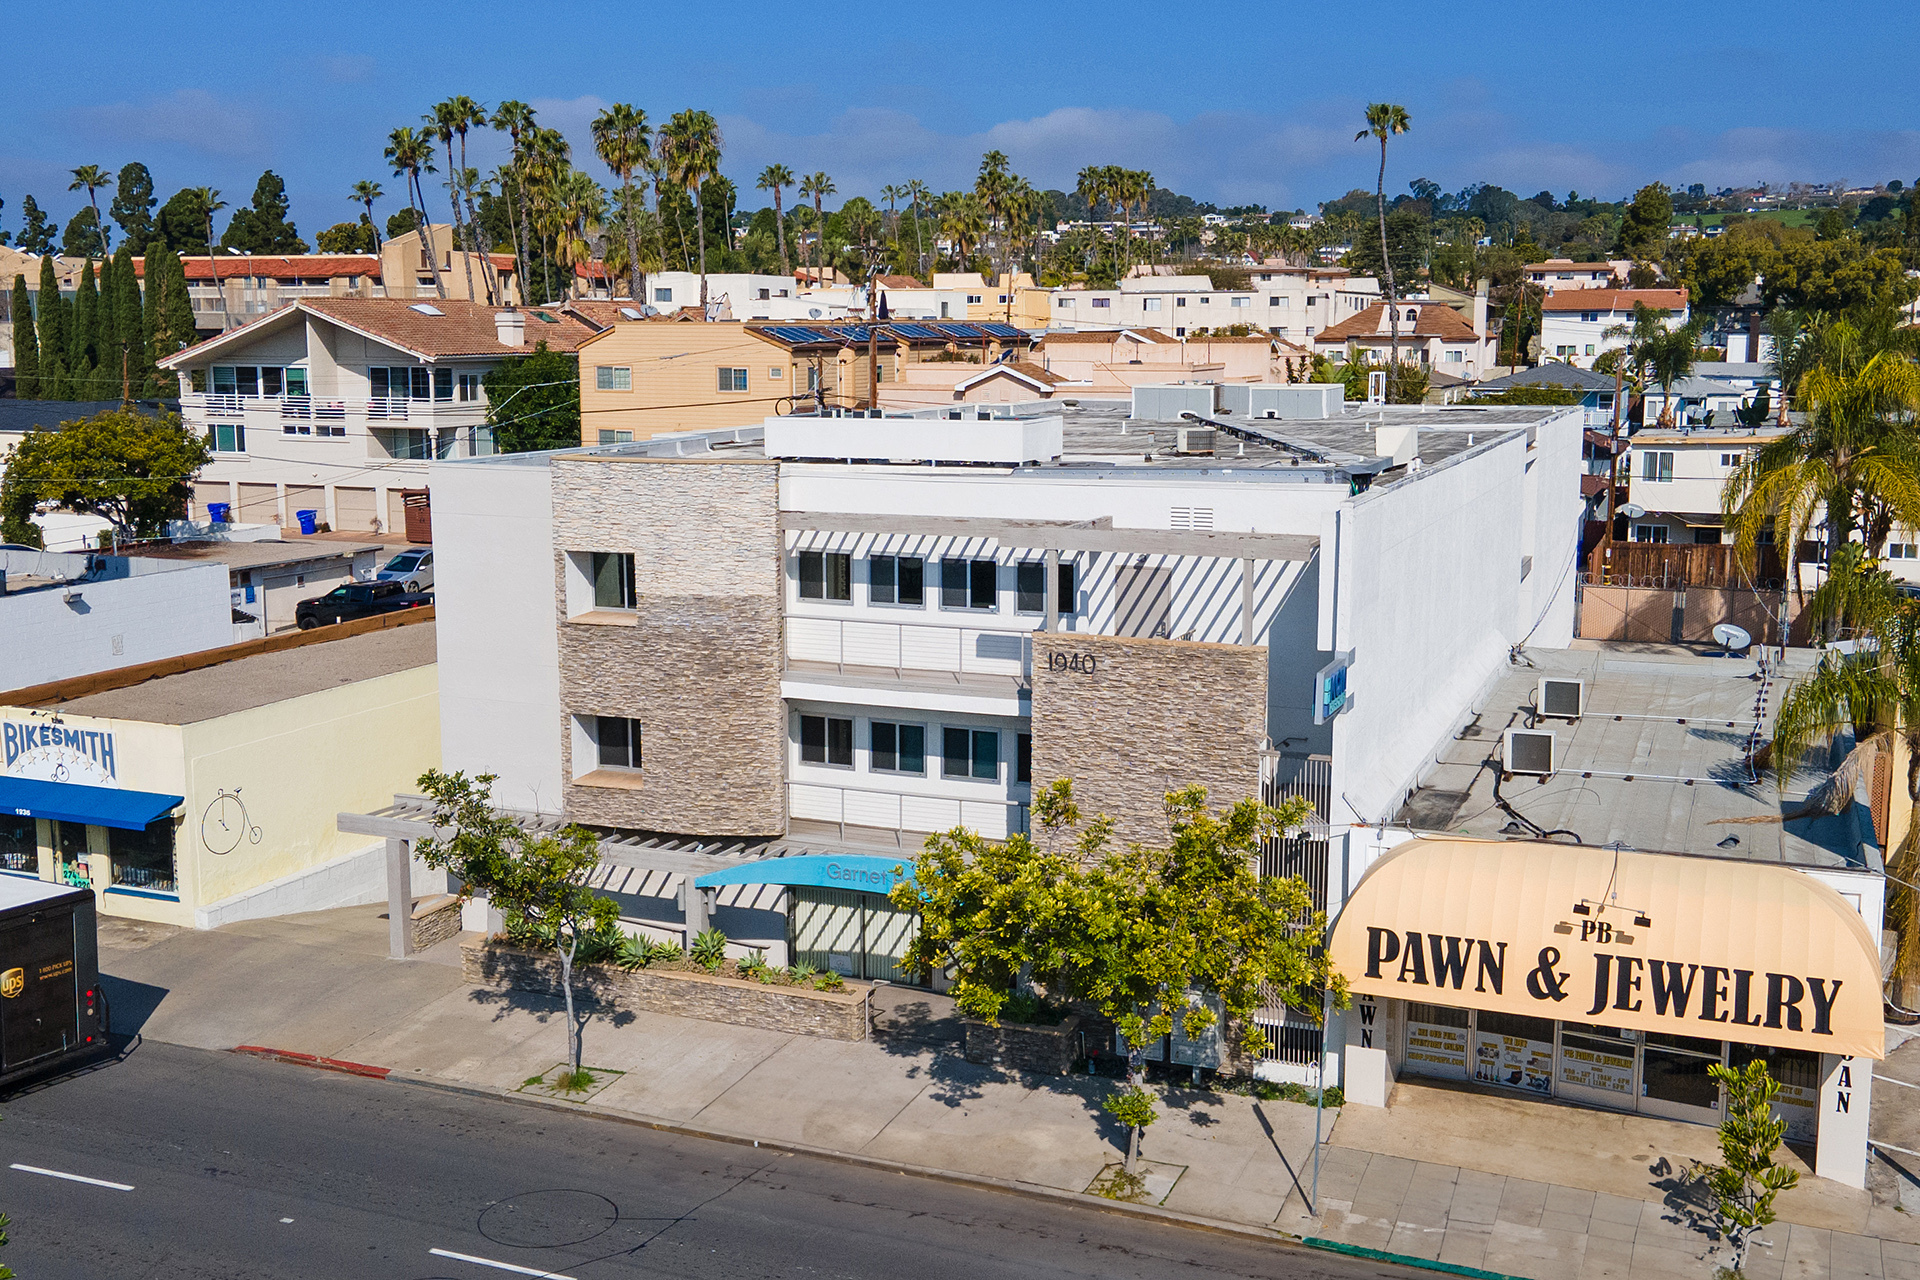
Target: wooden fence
pixel 1677 565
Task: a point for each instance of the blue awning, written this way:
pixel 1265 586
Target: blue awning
pixel 95 806
pixel 860 872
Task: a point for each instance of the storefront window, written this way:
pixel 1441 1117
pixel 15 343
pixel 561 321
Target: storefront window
pixel 1437 1040
pixel 1597 1058
pixel 1798 1102
pixel 19 845
pixel 1674 1070
pixel 1513 1050
pixel 70 846
pixel 144 859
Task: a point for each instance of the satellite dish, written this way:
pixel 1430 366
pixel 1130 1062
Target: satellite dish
pixel 1730 637
pixel 1633 511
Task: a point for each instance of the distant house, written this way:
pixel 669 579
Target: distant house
pixel 1431 334
pixel 1556 274
pixel 1574 323
pixel 1593 390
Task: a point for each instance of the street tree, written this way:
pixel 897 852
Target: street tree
pixel 533 401
pixel 133 470
pixel 1384 120
pixel 1744 1188
pixel 540 880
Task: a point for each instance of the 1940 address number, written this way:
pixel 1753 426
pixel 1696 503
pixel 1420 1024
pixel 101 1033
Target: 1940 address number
pixel 1080 663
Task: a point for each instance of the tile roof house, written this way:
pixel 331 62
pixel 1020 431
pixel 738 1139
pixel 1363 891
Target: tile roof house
pixel 1431 334
pixel 1574 323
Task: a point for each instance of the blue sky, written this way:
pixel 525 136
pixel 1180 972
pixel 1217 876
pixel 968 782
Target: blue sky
pixel 1232 102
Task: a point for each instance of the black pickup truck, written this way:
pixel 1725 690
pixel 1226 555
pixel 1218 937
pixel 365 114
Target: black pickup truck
pixel 358 600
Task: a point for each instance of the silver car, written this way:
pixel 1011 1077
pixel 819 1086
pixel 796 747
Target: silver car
pixel 413 566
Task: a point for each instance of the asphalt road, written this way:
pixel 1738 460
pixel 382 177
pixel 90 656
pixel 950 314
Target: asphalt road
pixel 248 1169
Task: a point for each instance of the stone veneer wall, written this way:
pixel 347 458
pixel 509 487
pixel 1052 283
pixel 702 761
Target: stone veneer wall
pixel 833 1015
pixel 1152 716
pixel 701 668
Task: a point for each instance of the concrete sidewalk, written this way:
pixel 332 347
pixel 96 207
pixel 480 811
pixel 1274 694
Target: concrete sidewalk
pixel 1510 1185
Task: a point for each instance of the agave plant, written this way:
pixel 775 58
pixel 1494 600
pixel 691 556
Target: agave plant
pixel 709 949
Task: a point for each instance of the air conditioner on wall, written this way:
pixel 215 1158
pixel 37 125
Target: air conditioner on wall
pixel 1562 699
pixel 1528 751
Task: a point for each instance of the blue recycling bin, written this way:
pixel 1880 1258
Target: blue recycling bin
pixel 309 521
pixel 220 512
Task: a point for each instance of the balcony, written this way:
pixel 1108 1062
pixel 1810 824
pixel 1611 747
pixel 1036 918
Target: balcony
pixel 867 815
pixel 326 417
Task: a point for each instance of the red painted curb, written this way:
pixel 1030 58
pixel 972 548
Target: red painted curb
pixel 309 1060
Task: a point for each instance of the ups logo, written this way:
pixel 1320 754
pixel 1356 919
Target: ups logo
pixel 13 982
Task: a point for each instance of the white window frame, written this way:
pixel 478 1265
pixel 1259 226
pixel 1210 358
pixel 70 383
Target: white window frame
pixel 612 377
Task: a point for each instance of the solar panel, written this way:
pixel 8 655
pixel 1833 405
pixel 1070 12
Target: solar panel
pixel 959 331
pixel 795 334
pixel 1004 331
pixel 920 331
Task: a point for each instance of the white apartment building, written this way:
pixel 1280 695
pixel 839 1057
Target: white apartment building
pixel 1574 323
pixel 337 404
pixel 1295 303
pixel 1557 274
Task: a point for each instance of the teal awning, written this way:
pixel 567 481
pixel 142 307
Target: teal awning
pixel 94 806
pixel 860 872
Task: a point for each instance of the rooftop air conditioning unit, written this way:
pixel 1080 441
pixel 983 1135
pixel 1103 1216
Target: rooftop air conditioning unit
pixel 1528 751
pixel 1194 440
pixel 1562 699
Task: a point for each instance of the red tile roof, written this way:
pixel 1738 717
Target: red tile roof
pixel 277 267
pixel 898 282
pixel 1615 300
pixel 1108 337
pixel 461 328
pixel 1433 321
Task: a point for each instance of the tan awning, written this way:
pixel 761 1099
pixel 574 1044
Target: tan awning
pixel 1695 946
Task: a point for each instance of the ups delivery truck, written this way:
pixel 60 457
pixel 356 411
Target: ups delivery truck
pixel 51 1009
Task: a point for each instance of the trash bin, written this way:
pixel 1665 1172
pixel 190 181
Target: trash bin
pixel 309 521
pixel 220 512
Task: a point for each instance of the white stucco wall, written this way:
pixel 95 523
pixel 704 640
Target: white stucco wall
pixel 115 621
pixel 499 646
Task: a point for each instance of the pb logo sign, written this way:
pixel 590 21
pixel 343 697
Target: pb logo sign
pixel 12 983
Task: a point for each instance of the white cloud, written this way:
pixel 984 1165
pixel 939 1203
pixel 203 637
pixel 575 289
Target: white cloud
pixel 193 119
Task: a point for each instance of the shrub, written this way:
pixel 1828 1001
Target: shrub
pixel 709 949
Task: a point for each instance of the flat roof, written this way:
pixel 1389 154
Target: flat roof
pixel 261 555
pixel 208 693
pixel 1657 763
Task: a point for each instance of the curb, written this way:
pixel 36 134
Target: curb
pixel 1425 1264
pixel 309 1060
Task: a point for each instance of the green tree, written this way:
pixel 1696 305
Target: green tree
pixel 83 338
pixel 398 224
pixel 92 177
pixel 83 234
pixel 1837 275
pixel 1745 1186
pixel 624 144
pixel 348 237
pixel 132 470
pixel 36 232
pixel 169 312
pixel 533 401
pixel 54 328
pixel 133 203
pixel 365 192
pixel 692 144
pixel 411 154
pixel 106 359
pixel 130 358
pixel 263 226
pixel 542 880
pixel 26 342
pixel 1670 358
pixel 1644 226
pixel 1384 120
pixel 1132 1106
pixel 1409 240
pixel 777 178
pixel 516 120
pixel 819 186
pixel 182 222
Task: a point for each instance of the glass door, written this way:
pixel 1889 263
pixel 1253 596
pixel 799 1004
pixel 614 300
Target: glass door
pixel 1596 1065
pixel 1673 1078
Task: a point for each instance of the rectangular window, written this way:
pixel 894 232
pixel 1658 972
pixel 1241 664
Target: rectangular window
pixel 616 437
pixel 1023 758
pixel 1589 348
pixel 733 379
pixel 775 372
pixel 974 297
pixel 470 386
pixel 228 437
pixel 899 748
pixel 1729 459
pixel 1150 304
pixel 1903 551
pixel 663 295
pixel 613 586
pixel 223 380
pixel 1276 301
pixel 1179 302
pixel 379 385
pixel 248 378
pixel 968 584
pixel 1458 357
pixel 1103 302
pixel 970 753
pixel 612 378
pixel 1030 587
pixel 1656 466
pixel 618 739
pixel 1066 304
pixel 1590 317
pixel 272 381
pixel 143 859
pixel 296 382
pixel 1650 533
pixel 1241 302
pixel 896 580
pixel 826 575
pixel 826 740
pixel 419 378
pixel 443 384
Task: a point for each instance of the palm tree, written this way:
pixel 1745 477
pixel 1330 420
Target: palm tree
pixel 468 114
pixel 917 194
pixel 1670 358
pixel 623 142
pixel 93 177
pixel 579 208
pixel 210 204
pixel 411 154
pixel 1384 119
pixel 692 144
pixel 1856 455
pixel 548 164
pixel 365 192
pixel 446 119
pixel 776 178
pixel 819 186
pixel 991 186
pixel 515 119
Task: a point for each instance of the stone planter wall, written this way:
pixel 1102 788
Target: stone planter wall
pixel 834 1015
pixel 435 920
pixel 1046 1051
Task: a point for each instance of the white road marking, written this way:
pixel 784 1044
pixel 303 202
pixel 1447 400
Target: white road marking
pixel 286 1219
pixel 71 1177
pixel 503 1266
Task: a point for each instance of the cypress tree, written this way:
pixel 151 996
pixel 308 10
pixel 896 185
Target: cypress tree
pixel 83 336
pixel 130 330
pixel 26 343
pixel 107 351
pixel 169 313
pixel 53 333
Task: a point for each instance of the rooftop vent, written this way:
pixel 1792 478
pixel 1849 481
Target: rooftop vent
pixel 1528 751
pixel 1562 699
pixel 426 309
